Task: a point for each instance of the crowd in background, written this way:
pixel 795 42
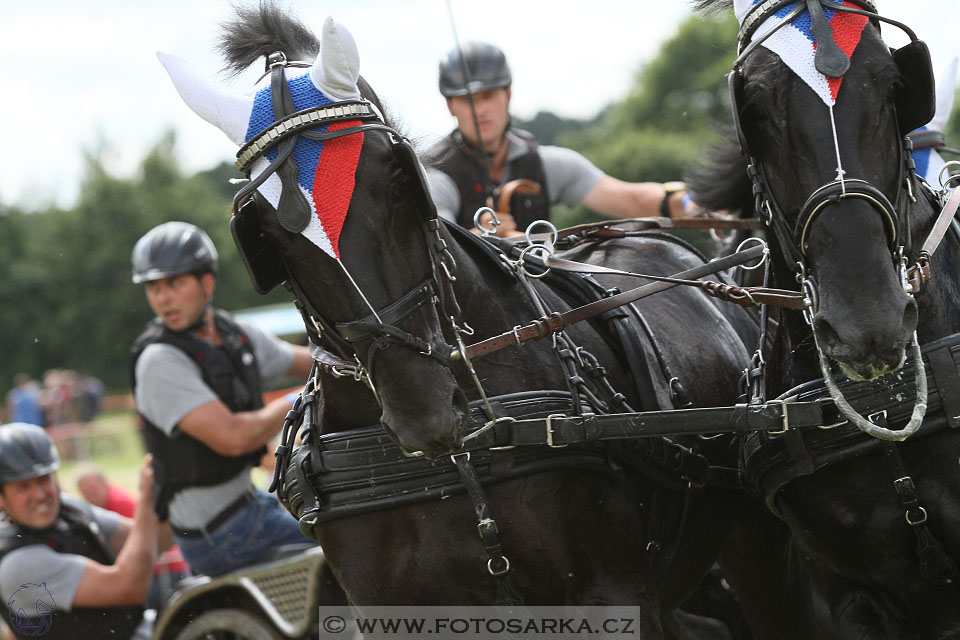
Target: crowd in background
pixel 63 397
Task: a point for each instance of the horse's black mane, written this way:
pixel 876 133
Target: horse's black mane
pixel 720 181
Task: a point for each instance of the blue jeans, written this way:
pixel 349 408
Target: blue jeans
pixel 245 537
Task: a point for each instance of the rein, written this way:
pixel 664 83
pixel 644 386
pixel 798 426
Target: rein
pixel 556 322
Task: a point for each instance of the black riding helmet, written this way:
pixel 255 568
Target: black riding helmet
pixel 26 451
pixel 487 69
pixel 171 249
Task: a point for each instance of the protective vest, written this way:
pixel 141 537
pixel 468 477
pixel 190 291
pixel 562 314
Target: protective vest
pixel 230 370
pixel 73 532
pixel 464 165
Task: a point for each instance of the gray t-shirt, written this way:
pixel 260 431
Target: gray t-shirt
pixel 569 176
pixel 170 385
pixel 59 572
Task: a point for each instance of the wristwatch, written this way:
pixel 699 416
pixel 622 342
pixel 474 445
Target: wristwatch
pixel 671 188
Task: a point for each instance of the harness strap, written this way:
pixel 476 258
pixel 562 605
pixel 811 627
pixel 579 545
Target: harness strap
pixel 936 565
pixel 920 272
pixel 944 371
pixel 928 138
pixel 562 430
pixel 556 322
pixel 498 565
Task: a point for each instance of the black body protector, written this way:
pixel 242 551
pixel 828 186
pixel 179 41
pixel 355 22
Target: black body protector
pixel 230 370
pixel 463 164
pixel 74 532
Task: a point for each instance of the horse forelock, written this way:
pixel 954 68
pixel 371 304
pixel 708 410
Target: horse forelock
pixel 257 31
pixel 711 6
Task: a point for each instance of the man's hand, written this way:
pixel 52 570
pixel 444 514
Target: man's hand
pixel 146 481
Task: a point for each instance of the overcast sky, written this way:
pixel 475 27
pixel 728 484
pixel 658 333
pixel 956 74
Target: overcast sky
pixel 79 74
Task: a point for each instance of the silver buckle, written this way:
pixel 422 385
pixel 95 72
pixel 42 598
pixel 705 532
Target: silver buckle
pixel 550 430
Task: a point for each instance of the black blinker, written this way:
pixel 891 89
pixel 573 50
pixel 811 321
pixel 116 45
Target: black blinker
pixel 916 100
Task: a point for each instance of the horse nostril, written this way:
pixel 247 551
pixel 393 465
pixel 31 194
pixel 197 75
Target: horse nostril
pixel 827 336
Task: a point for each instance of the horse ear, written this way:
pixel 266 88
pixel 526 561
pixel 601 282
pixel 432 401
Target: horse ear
pixel 336 69
pixel 228 112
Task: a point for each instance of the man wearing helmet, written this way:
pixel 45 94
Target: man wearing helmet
pixel 196 376
pixel 486 162
pixel 69 569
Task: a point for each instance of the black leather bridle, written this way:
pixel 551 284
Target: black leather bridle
pixel 913 110
pixel 379 328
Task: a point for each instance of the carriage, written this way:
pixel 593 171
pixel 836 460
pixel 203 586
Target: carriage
pixel 477 412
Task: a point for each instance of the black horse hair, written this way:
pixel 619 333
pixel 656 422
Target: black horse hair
pixel 711 6
pixel 258 31
pixel 719 181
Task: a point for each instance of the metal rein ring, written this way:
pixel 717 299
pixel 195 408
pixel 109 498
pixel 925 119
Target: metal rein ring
pixel 534 249
pixel 554 235
pixel 951 177
pixel 761 260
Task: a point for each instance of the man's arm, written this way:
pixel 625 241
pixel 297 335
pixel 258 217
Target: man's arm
pixel 620 199
pixel 302 362
pixel 127 580
pixel 235 433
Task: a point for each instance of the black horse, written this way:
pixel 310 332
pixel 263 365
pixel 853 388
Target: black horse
pixel 877 518
pixel 391 294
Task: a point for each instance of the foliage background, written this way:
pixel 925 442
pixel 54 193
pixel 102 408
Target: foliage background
pixel 66 293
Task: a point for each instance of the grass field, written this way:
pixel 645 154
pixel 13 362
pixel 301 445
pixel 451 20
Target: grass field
pixel 112 441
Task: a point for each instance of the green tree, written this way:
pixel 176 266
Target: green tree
pixel 68 274
pixel 669 115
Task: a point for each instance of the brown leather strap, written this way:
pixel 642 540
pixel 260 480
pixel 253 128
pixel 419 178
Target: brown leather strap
pixel 920 271
pixel 556 322
pixel 754 296
pixel 623 227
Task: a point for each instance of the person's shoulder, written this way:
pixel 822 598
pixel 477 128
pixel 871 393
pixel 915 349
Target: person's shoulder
pixel 563 156
pixel 251 330
pixel 77 505
pixel 436 152
pixel 159 353
pixel 521 141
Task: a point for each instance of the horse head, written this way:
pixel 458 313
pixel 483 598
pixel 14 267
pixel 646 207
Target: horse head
pixel 337 207
pixel 822 108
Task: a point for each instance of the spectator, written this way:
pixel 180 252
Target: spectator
pixel 93 486
pixel 24 402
